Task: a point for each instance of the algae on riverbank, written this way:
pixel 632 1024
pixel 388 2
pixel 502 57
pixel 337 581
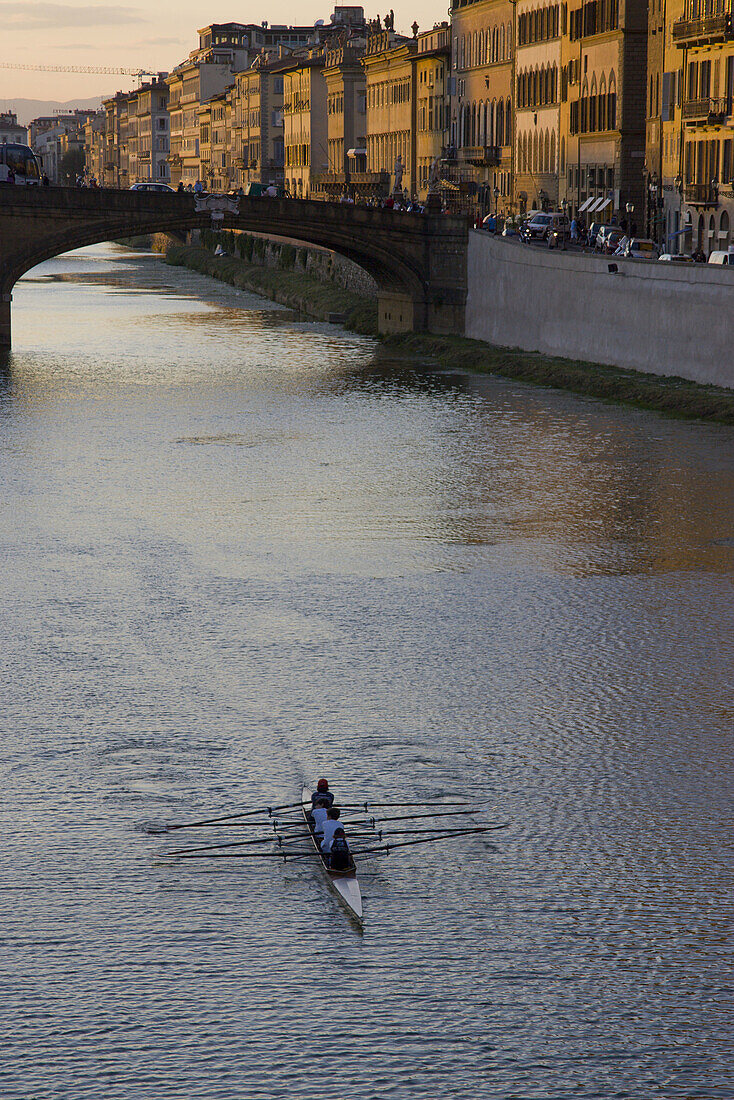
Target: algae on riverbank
pixel 296 288
pixel 290 287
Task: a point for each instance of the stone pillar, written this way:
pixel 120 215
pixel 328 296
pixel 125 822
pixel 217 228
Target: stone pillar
pixel 5 300
pixel 395 313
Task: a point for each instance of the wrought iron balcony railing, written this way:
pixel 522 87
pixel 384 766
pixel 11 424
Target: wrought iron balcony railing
pixel 707 110
pixel 701 194
pixel 481 155
pixel 711 28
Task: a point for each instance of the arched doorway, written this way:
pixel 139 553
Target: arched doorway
pixel 724 231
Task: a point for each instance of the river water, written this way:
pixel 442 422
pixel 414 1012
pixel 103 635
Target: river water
pixel 239 551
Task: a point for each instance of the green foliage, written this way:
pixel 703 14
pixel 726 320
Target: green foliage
pixel 303 257
pixel 258 249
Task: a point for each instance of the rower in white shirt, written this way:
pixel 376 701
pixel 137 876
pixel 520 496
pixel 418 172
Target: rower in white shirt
pixel 331 824
pixel 319 815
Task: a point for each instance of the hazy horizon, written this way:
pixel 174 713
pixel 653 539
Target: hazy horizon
pixel 126 36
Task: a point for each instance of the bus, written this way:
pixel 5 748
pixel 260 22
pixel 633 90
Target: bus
pixel 20 160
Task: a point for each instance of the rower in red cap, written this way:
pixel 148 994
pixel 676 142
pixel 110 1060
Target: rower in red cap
pixel 323 793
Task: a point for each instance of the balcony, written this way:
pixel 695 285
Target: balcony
pixel 487 156
pixel 698 32
pixel 701 194
pixel 710 111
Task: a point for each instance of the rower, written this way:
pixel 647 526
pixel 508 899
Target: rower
pixel 331 824
pixel 319 814
pixel 322 791
pixel 339 857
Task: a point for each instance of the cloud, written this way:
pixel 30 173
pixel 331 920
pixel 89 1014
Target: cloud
pixel 21 15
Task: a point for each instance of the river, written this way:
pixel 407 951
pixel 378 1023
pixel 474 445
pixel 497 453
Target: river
pixel 240 551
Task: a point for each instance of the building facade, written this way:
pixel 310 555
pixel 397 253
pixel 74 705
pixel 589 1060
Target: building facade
pixel 704 38
pixel 482 106
pixel 391 105
pixel 305 129
pixel 11 130
pixel 433 65
pixel 603 79
pixel 537 99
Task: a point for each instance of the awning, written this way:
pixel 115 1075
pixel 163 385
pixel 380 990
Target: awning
pixel 604 204
pixel 595 205
pixel 587 202
pixel 356 152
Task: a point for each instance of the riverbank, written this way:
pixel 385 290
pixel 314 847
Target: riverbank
pixel 291 285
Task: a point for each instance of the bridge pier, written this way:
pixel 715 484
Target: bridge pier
pixel 5 300
pixel 395 313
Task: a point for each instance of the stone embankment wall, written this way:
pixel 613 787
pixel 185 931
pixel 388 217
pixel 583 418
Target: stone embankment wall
pixel 319 263
pixel 666 319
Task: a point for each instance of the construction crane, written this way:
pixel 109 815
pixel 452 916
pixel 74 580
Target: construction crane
pixel 139 73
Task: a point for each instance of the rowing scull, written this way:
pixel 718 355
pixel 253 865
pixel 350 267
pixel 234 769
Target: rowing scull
pixel 344 883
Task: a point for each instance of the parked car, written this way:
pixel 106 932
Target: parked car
pixel 150 186
pixel 638 248
pixel 678 258
pixel 607 238
pixel 18 165
pixel 722 257
pixel 539 226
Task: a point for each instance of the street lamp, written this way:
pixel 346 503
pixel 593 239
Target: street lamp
pixel 630 208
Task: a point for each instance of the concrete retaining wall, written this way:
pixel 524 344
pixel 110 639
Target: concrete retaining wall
pixel 654 317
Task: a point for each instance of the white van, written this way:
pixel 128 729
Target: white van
pixel 19 160
pixel 723 257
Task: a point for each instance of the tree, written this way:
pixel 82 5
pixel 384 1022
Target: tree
pixel 72 165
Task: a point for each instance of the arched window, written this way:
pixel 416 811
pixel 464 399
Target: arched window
pixel 474 52
pixel 562 166
pixel 502 42
pixel 534 159
pixel 552 164
pixel 612 103
pixel 473 137
pixel 493 123
pixel 724 231
pixel 494 44
pixel 501 124
pixel 462 63
pixel 508 123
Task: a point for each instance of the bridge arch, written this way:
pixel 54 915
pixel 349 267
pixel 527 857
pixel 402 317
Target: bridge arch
pixel 417 261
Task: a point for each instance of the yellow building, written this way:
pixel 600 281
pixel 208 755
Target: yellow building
pixel 391 86
pixel 305 135
pixel 346 117
pixel 482 111
pixel 704 37
pixel 603 78
pixel 432 61
pixel 537 99
pixel 257 136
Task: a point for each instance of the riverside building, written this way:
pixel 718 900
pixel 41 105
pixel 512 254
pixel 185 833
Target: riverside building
pixel 482 110
pixel 704 38
pixel 390 87
pixel 539 147
pixel 603 79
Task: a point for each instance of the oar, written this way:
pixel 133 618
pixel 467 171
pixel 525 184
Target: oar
pixel 431 802
pixel 411 817
pixel 236 844
pixel 426 840
pixel 246 855
pixel 269 810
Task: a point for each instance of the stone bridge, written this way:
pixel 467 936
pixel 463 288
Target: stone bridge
pixel 419 261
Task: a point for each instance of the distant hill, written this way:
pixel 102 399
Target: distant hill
pixel 28 109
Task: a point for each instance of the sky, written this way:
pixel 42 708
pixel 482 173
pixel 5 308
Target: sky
pixel 155 36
